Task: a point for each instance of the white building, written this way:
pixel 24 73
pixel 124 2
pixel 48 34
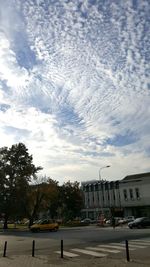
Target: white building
pixel 101 197
pixel 135 194
pixel 129 196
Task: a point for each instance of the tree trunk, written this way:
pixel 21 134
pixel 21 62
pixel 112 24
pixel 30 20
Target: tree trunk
pixel 30 221
pixel 5 226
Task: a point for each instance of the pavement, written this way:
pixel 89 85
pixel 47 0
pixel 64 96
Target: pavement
pixel 47 261
pixel 138 258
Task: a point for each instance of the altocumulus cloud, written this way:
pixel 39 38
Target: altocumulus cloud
pixel 74 84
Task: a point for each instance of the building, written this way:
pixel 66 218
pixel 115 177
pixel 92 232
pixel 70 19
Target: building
pixel 101 197
pixel 135 194
pixel 120 198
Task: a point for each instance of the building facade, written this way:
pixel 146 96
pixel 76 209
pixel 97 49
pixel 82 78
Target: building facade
pixel 135 194
pixel 101 197
pixel 120 198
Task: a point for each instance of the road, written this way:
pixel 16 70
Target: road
pixel 20 242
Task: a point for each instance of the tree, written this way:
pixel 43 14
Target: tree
pixel 41 197
pixel 52 200
pixel 16 170
pixel 71 200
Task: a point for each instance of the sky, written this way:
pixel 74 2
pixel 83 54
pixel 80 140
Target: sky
pixel 75 85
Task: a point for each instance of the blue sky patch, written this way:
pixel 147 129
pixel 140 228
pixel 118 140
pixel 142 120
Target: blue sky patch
pixel 122 140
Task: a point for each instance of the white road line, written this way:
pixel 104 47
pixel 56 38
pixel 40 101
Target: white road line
pixel 114 246
pixel 141 240
pixel 122 245
pixel 132 244
pixel 68 254
pixel 135 246
pixel 103 249
pixel 139 243
pixel 89 252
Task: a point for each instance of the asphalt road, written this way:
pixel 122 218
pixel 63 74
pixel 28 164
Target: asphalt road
pixel 20 243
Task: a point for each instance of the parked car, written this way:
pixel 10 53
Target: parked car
pixel 130 219
pixel 86 220
pixel 139 223
pixel 44 225
pixel 122 221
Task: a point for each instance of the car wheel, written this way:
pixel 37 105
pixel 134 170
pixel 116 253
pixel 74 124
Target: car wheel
pixel 56 229
pixel 34 230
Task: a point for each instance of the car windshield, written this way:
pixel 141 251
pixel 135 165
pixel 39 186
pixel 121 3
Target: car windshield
pixel 139 219
pixel 38 221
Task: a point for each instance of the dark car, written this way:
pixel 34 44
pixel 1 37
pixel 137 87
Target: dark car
pixel 139 223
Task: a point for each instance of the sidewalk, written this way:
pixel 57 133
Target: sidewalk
pixel 140 258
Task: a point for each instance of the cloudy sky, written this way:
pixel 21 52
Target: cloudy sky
pixel 74 85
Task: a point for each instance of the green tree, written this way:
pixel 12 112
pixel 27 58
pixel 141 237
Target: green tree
pixel 16 170
pixel 71 200
pixel 42 196
pixel 52 200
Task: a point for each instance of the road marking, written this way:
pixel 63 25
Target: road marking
pixel 89 252
pixel 141 240
pixel 99 248
pixel 132 245
pixel 114 246
pixel 68 254
pixel 122 245
pixel 135 246
pixel 139 243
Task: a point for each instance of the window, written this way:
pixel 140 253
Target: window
pixel 96 187
pixel 125 194
pixel 87 188
pixel 92 188
pixel 131 193
pixel 106 186
pixel 117 185
pixel 111 185
pixel 137 193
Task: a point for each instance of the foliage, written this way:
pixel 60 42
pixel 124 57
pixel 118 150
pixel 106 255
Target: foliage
pixel 20 197
pixel 16 170
pixel 42 196
pixel 71 200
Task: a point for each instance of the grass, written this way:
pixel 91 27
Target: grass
pixel 15 226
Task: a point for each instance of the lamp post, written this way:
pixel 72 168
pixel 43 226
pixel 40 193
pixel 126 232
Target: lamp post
pixel 100 171
pixel 101 206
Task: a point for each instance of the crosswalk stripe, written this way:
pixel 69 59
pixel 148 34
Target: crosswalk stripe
pixel 141 240
pixel 103 249
pixel 139 243
pixel 132 244
pixel 68 254
pixel 122 245
pixel 114 246
pixel 89 252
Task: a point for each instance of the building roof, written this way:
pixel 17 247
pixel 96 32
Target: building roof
pixel 136 176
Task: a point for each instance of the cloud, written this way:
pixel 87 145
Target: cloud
pixel 74 84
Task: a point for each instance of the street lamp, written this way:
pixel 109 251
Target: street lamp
pixel 101 201
pixel 100 171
